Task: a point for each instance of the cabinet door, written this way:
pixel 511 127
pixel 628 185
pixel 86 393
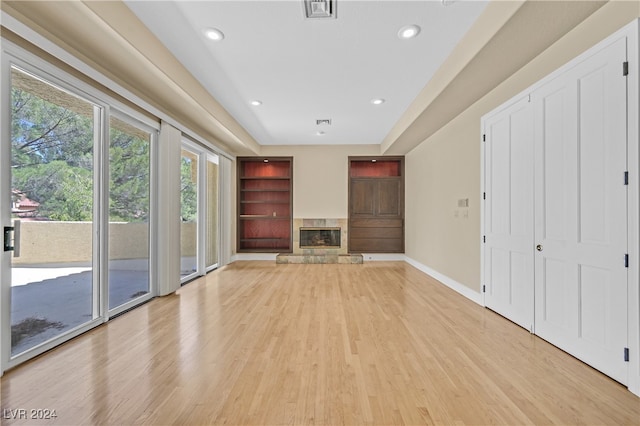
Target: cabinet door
pixel 363 197
pixel 375 197
pixel 388 197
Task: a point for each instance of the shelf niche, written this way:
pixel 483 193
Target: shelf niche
pixel 265 204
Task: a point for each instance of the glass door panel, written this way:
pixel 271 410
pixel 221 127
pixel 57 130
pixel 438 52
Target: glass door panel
pixel 211 250
pixel 129 211
pixel 189 214
pixel 52 197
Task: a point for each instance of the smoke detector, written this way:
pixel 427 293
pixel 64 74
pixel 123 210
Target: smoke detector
pixel 315 9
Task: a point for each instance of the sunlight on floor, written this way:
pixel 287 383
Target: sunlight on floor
pixel 23 276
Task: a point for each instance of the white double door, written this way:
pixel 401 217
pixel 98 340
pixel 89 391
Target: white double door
pixel 555 217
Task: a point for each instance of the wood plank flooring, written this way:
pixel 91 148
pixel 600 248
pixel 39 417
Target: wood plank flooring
pixel 265 344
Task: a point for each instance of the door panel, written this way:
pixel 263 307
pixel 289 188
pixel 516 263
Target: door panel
pixel 53 139
pixel 189 214
pixel 382 232
pixel 376 245
pixel 556 115
pixel 362 197
pixel 594 284
pixel 593 160
pixel 581 280
pixel 376 223
pixel 508 266
pixel 211 250
pixel 129 211
pixel 556 303
pixel 389 192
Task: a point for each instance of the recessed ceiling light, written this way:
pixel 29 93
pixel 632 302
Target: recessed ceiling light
pixel 213 34
pixel 410 31
pixel 320 133
pixel 256 103
pixel 377 101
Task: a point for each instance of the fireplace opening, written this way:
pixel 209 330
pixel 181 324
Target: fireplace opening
pixel 319 237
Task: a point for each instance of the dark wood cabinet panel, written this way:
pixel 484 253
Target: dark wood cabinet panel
pixel 376 245
pixel 376 204
pixel 376 223
pixel 390 197
pixel 264 204
pixel 380 232
pixel 362 197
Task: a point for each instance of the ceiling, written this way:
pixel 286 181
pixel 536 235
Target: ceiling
pixel 304 70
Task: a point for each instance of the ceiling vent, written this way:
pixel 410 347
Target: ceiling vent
pixel 324 121
pixel 315 9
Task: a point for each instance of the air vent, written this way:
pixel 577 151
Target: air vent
pixel 317 9
pixel 324 121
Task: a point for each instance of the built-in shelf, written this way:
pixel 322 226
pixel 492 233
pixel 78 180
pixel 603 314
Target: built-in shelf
pixel 264 178
pixel 263 216
pixel 264 190
pixel 264 204
pixel 376 204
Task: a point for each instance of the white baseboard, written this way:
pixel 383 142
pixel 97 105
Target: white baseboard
pixel 449 282
pixel 383 257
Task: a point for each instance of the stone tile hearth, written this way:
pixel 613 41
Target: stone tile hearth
pixel 284 258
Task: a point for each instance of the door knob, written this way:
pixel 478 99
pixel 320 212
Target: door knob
pixel 539 247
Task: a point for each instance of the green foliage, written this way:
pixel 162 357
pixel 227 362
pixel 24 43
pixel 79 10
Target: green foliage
pixel 188 190
pixel 43 132
pixel 52 160
pixel 64 192
pixel 129 178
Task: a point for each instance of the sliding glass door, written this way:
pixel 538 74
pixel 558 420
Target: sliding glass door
pixel 211 214
pixel 129 211
pixel 189 214
pixel 199 211
pixel 55 135
pixel 76 206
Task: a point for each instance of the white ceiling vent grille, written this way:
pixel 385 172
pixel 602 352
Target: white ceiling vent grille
pixel 315 9
pixel 323 121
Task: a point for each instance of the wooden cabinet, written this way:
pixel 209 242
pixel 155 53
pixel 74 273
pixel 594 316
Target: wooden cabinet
pixel 264 204
pixel 376 204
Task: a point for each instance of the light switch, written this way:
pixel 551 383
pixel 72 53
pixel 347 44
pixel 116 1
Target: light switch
pixel 463 202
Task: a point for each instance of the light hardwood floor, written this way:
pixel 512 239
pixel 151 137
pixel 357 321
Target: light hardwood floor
pixel 260 343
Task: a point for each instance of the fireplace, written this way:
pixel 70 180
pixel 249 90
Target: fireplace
pixel 320 241
pixel 319 237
